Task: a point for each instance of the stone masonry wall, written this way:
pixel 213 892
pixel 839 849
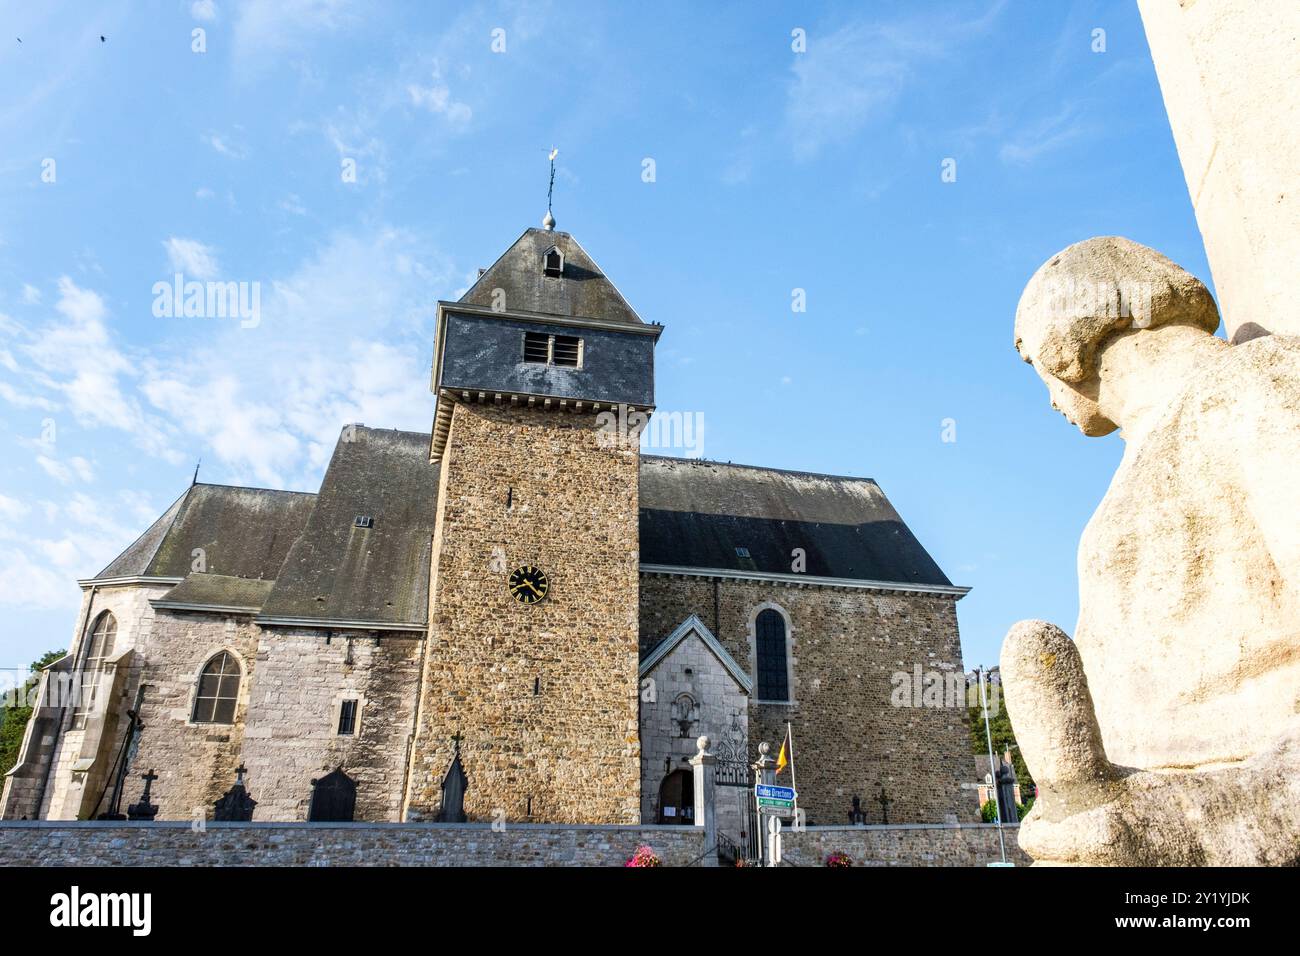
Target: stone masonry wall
pixel 291 735
pixel 422 844
pixel 544 696
pixel 26 794
pixel 68 795
pixel 338 844
pixel 973 844
pixel 195 763
pixel 846 646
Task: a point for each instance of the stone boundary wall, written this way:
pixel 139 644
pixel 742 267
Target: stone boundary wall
pixel 920 844
pixel 59 843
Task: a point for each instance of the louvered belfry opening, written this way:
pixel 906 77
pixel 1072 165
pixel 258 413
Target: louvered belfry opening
pixel 544 349
pixel 537 347
pixel 568 350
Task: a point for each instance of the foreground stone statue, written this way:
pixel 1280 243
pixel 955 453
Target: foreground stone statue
pixel 1186 749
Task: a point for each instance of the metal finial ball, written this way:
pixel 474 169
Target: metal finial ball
pixel 548 222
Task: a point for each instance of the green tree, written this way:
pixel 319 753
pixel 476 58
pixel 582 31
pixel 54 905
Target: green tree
pixel 15 712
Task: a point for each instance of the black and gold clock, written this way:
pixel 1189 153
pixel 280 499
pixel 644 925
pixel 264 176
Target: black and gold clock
pixel 528 585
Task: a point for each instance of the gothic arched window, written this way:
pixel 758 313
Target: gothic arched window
pixel 770 646
pixel 218 691
pixel 102 637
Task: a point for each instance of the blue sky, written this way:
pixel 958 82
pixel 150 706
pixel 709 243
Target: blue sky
pixel 774 170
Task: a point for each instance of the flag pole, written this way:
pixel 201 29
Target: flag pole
pixel 988 735
pixel 789 736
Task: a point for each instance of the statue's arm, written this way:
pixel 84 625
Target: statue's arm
pixel 1090 811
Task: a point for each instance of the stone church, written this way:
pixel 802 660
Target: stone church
pixel 521 597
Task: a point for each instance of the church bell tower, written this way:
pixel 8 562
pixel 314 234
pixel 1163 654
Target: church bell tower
pixel 531 660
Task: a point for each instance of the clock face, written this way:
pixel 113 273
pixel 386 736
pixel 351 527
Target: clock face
pixel 528 585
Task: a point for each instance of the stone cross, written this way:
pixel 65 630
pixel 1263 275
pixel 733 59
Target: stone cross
pixel 236 805
pixel 144 810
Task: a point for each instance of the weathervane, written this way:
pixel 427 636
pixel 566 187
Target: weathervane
pixel 549 221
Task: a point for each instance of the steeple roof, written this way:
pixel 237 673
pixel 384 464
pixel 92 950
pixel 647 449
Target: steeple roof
pixel 581 291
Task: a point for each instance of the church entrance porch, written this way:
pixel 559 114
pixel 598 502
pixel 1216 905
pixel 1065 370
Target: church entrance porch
pixel 677 798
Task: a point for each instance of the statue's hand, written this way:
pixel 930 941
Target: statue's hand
pixel 1090 811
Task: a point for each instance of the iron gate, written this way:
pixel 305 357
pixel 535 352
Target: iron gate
pixel 733 770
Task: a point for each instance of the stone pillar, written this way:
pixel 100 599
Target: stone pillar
pixel 705 799
pixel 766 766
pixel 1227 74
pixel 764 773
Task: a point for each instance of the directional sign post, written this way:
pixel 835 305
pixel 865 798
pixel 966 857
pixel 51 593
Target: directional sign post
pixel 775 801
pixel 774 842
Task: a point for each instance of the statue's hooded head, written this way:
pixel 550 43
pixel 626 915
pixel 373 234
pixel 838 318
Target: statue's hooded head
pixel 1086 295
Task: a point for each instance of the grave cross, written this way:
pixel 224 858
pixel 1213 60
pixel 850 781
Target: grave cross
pixel 884 802
pixel 144 810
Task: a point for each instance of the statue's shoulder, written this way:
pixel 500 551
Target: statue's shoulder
pixel 1268 366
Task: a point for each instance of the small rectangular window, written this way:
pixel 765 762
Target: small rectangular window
pixel 537 347
pixel 348 718
pixel 742 552
pixel 363 521
pixel 568 350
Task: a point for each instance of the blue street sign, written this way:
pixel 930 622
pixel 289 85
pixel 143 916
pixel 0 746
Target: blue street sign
pixel 775 793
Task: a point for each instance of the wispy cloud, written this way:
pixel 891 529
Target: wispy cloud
pixel 329 367
pixel 1044 136
pixel 268 29
pixel 39 563
pixel 191 257
pixel 226 146
pixel 11 509
pixel 71 359
pixel 853 76
pixel 75 468
pixel 437 99
pixel 267 402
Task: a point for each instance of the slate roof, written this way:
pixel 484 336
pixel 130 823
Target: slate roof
pixel 218 591
pixel 301 559
pixel 697 513
pixel 338 572
pixel 244 533
pixel 582 291
pixel 693 626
